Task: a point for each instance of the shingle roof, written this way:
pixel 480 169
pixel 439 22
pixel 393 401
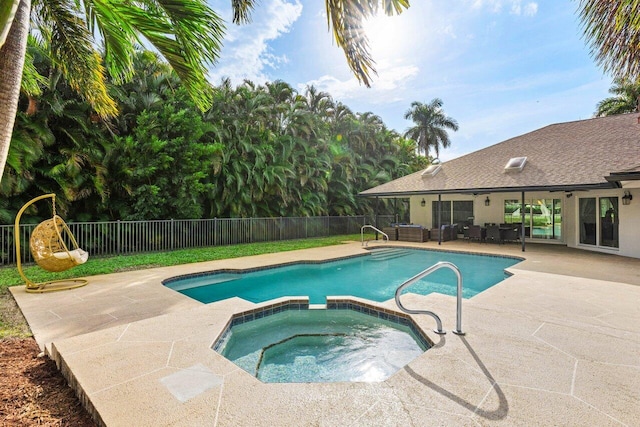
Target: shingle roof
pixel 563 156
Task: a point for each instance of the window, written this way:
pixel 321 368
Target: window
pixel 457 212
pixel 542 217
pixel 462 214
pixel 444 213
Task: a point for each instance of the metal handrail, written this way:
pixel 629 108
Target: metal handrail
pixel 423 274
pixel 372 227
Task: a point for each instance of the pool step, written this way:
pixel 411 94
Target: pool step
pixel 386 254
pixel 205 280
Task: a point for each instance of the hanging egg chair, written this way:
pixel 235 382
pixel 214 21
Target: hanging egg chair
pixel 53 247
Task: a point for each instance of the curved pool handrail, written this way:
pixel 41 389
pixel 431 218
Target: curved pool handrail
pixel 421 275
pixel 371 226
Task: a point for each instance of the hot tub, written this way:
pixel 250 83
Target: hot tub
pixel 348 341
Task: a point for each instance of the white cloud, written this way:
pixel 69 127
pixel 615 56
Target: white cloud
pixel 494 5
pixel 246 53
pixel 531 9
pixel 385 87
pixel 515 7
pixel 449 31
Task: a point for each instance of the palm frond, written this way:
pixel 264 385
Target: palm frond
pixel 32 81
pixel 346 18
pixel 119 38
pixel 73 53
pixel 241 10
pixel 187 33
pixel 612 28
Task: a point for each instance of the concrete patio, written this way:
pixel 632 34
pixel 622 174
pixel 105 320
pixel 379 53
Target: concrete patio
pixel 557 343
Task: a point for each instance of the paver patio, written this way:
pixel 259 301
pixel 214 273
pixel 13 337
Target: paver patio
pixel 557 343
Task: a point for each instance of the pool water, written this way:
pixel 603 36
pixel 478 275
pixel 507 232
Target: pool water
pixel 321 346
pixel 375 277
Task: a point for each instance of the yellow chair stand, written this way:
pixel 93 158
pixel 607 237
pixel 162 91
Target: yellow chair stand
pixel 49 250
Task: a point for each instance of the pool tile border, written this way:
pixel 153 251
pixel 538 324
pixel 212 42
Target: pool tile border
pixel 167 282
pixel 394 316
pixel 333 303
pixel 216 272
pixel 258 313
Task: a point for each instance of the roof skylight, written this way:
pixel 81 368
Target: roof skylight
pixel 515 164
pixel 431 170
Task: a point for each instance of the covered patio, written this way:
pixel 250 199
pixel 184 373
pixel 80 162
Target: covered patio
pixel 568 183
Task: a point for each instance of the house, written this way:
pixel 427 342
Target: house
pixel 575 183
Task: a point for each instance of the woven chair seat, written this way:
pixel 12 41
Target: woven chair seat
pixel 49 249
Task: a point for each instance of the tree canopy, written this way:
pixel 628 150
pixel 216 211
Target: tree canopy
pixel 187 33
pixel 612 28
pixel 430 126
pixel 626 98
pixel 260 150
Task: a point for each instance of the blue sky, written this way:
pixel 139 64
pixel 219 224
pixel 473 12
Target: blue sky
pixel 501 67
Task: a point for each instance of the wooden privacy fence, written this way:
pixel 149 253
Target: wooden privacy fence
pixel 131 237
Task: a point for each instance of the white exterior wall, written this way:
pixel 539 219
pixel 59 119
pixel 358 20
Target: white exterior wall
pixel 422 215
pixel 629 215
pixel 630 226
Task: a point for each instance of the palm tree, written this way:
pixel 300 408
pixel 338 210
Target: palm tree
pixel 612 28
pixel 186 32
pixel 626 99
pixel 431 124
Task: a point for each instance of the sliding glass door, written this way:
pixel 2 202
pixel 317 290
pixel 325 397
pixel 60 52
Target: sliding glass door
pixel 587 221
pixel 598 221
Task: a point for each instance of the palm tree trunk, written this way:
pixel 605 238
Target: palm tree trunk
pixel 11 64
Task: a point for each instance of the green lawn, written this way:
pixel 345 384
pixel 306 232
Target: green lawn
pixel 11 319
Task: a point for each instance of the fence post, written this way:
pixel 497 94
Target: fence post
pixel 173 229
pixel 118 238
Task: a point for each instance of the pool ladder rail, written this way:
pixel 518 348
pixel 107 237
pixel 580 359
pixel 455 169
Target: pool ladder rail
pixel 372 227
pixel 423 274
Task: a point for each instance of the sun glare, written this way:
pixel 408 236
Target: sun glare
pixel 385 35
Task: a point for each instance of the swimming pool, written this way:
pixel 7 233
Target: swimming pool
pixel 321 346
pixel 374 276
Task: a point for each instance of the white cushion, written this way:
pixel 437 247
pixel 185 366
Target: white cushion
pixel 78 255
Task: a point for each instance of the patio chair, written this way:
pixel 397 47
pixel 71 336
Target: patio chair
pixel 475 233
pixel 453 232
pixel 493 233
pixel 442 234
pixel 53 247
pixel 510 234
